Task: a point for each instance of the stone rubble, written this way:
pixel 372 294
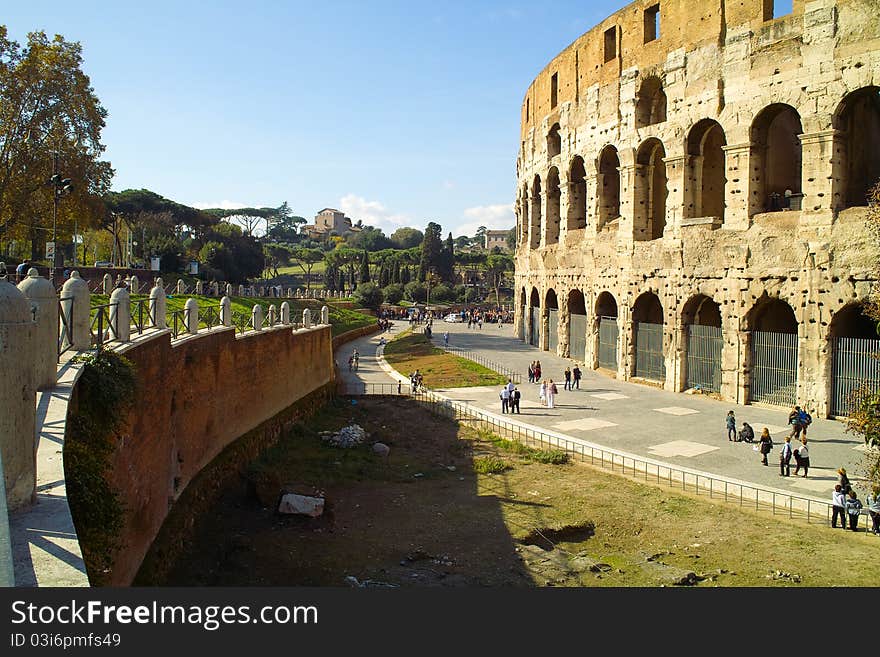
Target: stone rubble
pixel 346 437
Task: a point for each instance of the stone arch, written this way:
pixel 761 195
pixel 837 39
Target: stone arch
pixel 554 196
pixel 524 210
pixel 647 308
pixel 772 354
pixel 609 186
pixel 577 195
pixel 606 332
pixel 523 299
pixel 649 216
pixel 858 118
pixel 533 327
pixel 577 325
pixel 554 141
pixel 551 314
pixel 701 345
pixel 853 340
pixel 646 344
pixel 650 102
pixel 535 223
pixel 706 170
pixel 777 158
pixel 606 305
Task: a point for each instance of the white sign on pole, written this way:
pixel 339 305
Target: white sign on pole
pixel 50 250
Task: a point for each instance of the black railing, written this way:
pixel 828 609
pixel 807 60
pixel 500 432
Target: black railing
pixel 210 316
pixel 140 315
pixel 178 323
pixel 101 326
pixel 65 326
pixel 485 362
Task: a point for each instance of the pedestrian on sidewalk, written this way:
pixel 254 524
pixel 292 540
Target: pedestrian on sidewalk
pixel 537 371
pixel 567 375
pixel 505 399
pixel 766 445
pixel 446 338
pixel 794 419
pixel 785 458
pixel 731 426
pixel 843 480
pixel 853 509
pixel 873 504
pixel 552 391
pixel 576 374
pixel 532 372
pixel 838 507
pixel 516 397
pixel 747 434
pixel 542 393
pixel 802 457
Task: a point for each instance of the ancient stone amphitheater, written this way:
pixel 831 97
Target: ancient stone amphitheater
pixel 692 192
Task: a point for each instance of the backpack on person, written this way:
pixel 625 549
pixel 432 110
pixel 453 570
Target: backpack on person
pixel 805 418
pixel 553 389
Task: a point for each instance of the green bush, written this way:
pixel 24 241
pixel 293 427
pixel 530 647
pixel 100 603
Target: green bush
pixel 490 465
pixel 368 295
pixel 393 293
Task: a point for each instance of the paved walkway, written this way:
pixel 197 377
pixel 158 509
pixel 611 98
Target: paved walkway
pixel 676 428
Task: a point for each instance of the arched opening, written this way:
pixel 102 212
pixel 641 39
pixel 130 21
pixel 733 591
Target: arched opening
pixel 534 325
pixel 524 209
pixel 553 200
pixel 577 195
pixel 701 323
pixel 777 150
pixel 854 367
pixel 706 170
pixel 522 314
pixel 606 315
pixel 650 103
pixel 647 316
pixel 554 141
pixel 609 186
pixel 577 325
pixel 535 235
pixel 773 352
pixel 552 305
pixel 649 217
pixel 858 117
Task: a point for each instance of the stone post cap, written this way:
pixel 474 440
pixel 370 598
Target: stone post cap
pixel 36 287
pixel 75 274
pixel 14 307
pixel 120 293
pixel 191 303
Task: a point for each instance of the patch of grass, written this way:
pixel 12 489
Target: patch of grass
pixel 440 369
pixel 490 465
pixel 549 456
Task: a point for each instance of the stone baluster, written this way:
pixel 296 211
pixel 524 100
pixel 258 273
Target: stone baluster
pixel 200 287
pixel 229 289
pixel 257 317
pixel 158 305
pixel 133 284
pixel 108 283
pixel 226 311
pixel 285 313
pixel 325 315
pixel 44 306
pixel 215 288
pixel 181 286
pixel 120 314
pixel 307 318
pixel 76 307
pixel 191 316
pixel 272 315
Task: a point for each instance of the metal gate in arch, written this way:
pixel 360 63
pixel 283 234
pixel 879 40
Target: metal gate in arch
pixel 649 362
pixel 774 368
pixel 608 343
pixel 534 325
pixel 577 337
pixel 704 357
pixel 552 330
pixel 854 366
pixel 522 323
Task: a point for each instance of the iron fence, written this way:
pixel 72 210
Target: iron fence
pixel 65 326
pixel 704 357
pixel 577 337
pixel 485 362
pixel 774 368
pixel 735 492
pixel 101 326
pixel 855 367
pixel 608 331
pixel 649 362
pixel 552 330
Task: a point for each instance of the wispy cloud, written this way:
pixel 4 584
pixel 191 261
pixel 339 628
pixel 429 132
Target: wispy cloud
pixel 373 213
pixel 495 217
pixel 229 205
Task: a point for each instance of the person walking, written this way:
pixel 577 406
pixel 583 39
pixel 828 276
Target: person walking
pixel 576 375
pixel 542 393
pixel 516 397
pixel 766 445
pixel 838 507
pixel 794 419
pixel 567 375
pixel 843 480
pixel 551 393
pixel 531 372
pixel 731 426
pixel 853 510
pixel 505 400
pixel 537 371
pixel 802 457
pixel 446 338
pixel 873 504
pixel 785 458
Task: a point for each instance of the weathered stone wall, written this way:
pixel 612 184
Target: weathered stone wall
pixel 726 73
pixel 197 397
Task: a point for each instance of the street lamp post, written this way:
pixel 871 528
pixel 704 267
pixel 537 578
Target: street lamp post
pixel 60 186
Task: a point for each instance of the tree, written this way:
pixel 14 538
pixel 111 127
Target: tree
pixel 407 238
pixel 47 105
pixel 393 293
pixel 511 239
pixel 496 267
pixel 447 260
pixel 369 239
pixel 432 247
pixel 480 237
pixel 368 295
pixel 306 259
pixel 415 291
pixel 284 225
pixel 364 274
pixel 248 219
pixel 276 256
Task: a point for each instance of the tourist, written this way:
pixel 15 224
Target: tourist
pixel 567 375
pixel 838 507
pixel 531 372
pixel 794 419
pixel 853 509
pixel 873 504
pixel 515 400
pixel 505 399
pixel 446 338
pixel 785 458
pixel 802 457
pixel 747 434
pixel 766 445
pixel 21 270
pixel 843 480
pixel 552 391
pixel 537 371
pixel 731 426
pixel 510 386
pixel 576 374
pixel 805 420
pixel 542 393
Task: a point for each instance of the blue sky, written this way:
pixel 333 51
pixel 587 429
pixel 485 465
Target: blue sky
pixel 398 113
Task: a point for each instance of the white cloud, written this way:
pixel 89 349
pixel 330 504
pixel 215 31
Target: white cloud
pixel 372 213
pixel 448 184
pixel 494 217
pixel 230 205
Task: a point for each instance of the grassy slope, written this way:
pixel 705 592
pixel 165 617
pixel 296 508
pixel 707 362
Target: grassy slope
pixel 413 351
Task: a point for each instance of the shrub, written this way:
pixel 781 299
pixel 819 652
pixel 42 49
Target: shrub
pixel 368 295
pixel 490 465
pixel 393 293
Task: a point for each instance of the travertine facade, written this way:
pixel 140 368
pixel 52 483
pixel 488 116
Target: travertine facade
pixel 696 173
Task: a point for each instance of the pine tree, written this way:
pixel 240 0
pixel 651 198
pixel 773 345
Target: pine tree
pixel 432 248
pixel 364 274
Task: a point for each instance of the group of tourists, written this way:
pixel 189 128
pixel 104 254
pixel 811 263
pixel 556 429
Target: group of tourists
pixel 416 381
pixel 845 505
pixel 353 361
pixel 510 397
pixel 799 420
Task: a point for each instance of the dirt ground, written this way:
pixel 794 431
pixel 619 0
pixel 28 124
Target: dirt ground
pixel 422 516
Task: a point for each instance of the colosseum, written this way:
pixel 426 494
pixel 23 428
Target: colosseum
pixel 692 199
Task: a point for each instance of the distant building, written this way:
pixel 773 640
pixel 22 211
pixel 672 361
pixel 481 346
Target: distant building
pixel 497 238
pixel 330 220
